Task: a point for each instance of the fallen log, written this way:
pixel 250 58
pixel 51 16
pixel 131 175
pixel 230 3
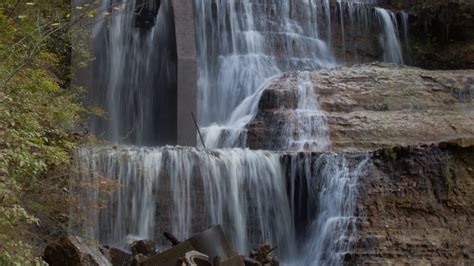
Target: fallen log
pixel 174 241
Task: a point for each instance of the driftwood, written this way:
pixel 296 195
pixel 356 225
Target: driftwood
pixel 174 241
pixel 194 258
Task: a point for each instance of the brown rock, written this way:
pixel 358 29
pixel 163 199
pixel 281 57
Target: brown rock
pixel 73 251
pixel 144 247
pixel 418 204
pixel 119 257
pixel 373 106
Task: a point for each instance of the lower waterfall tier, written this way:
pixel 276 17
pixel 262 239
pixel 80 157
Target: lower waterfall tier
pixel 302 203
pixel 318 208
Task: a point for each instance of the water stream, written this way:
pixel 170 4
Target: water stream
pixel 302 202
pixel 135 74
pixel 185 190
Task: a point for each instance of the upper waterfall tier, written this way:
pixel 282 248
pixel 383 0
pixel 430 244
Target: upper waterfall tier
pixel 240 45
pixel 243 45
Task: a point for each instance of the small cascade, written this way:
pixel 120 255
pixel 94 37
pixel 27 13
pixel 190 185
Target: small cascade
pixel 297 199
pixel 233 133
pixel 333 231
pixel 323 197
pixel 135 79
pixel 358 21
pixel 390 40
pixel 307 128
pixel 243 46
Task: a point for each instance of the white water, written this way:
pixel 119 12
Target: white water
pixel 306 129
pixel 250 193
pixel 133 75
pixel 333 231
pixel 305 204
pixel 184 190
pixel 361 19
pixel 390 40
pixel 233 133
pixel 241 45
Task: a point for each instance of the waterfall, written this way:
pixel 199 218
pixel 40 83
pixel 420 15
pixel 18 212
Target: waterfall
pixel 359 20
pixel 233 132
pixel 134 80
pixel 404 23
pixel 242 44
pixel 302 202
pixel 306 128
pixel 185 190
pixel 333 231
pixel 323 200
pixel 390 40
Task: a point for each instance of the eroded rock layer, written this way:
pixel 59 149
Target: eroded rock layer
pixel 373 106
pixel 417 207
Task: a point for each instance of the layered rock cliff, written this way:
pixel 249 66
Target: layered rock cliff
pixel 415 202
pixel 373 106
pixel 417 207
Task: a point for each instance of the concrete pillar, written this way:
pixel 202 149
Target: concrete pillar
pixel 186 72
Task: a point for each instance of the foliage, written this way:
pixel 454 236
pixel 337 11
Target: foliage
pixel 39 111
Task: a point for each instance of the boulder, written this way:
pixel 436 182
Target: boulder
pixel 119 257
pixel 372 106
pixel 74 251
pixel 144 247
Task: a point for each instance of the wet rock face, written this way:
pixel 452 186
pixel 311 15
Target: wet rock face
pixel 417 207
pixel 373 106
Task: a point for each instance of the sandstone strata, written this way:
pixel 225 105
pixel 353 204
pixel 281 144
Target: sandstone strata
pixel 373 106
pixel 417 207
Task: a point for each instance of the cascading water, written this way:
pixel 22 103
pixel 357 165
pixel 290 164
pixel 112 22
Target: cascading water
pixel 306 129
pixel 135 72
pixel 390 40
pixel 358 21
pixel 404 23
pixel 303 202
pixel 333 231
pixel 324 186
pixel 241 45
pixel 184 190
